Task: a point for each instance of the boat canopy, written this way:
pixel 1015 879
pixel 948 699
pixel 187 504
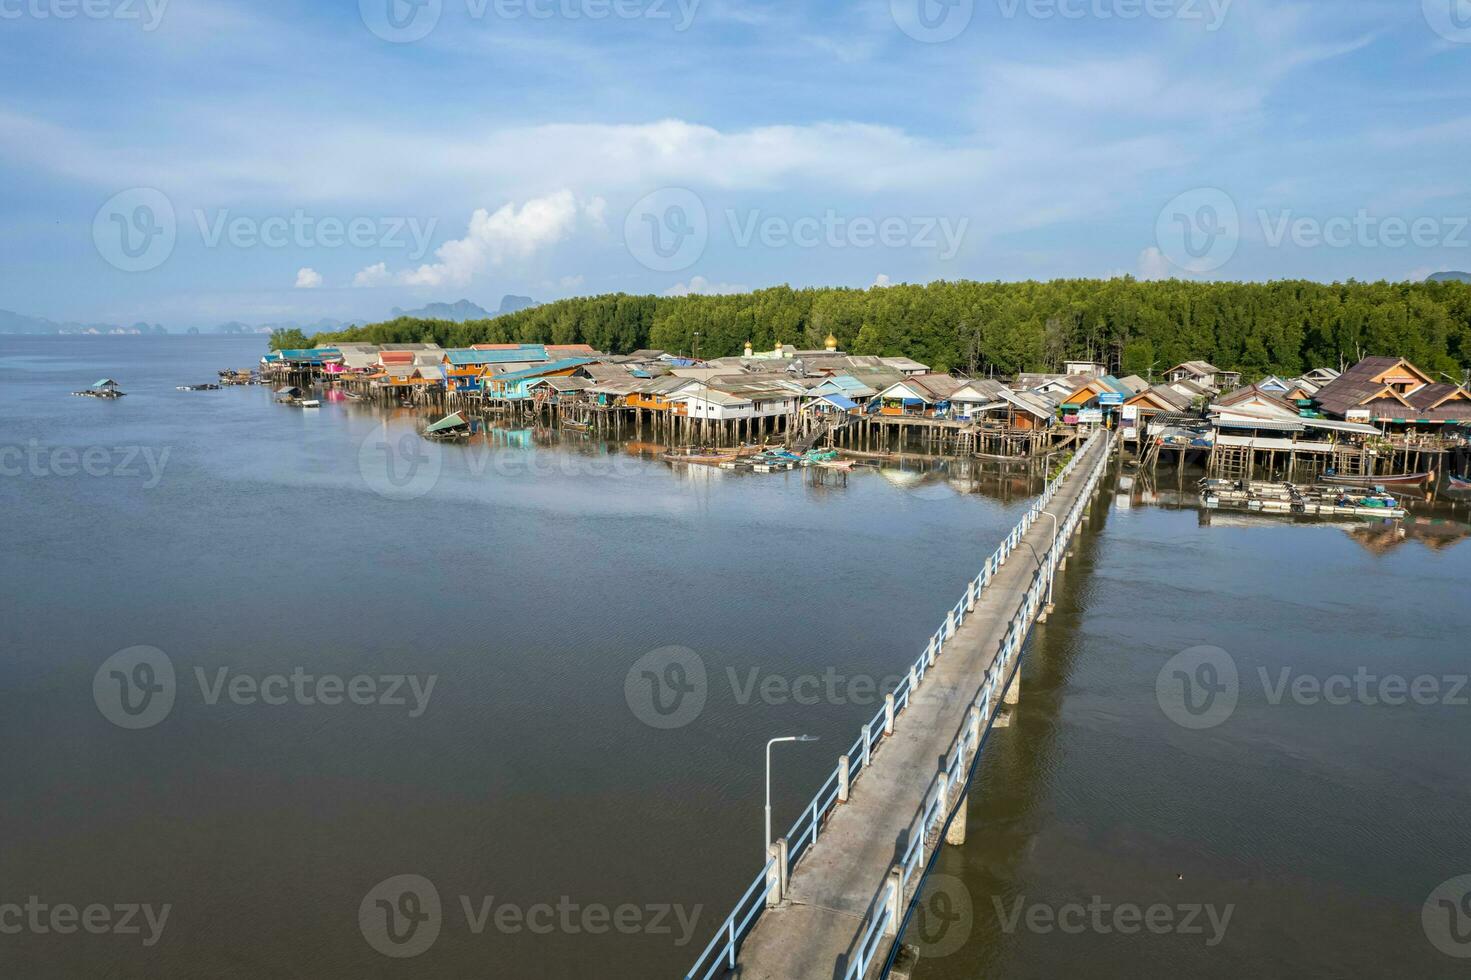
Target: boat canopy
pixel 452 421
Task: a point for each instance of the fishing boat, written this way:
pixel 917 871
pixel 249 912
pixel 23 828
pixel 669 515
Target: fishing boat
pixel 309 403
pixel 452 426
pixel 203 387
pixel 1388 480
pixel 710 457
pixel 704 457
pixel 1457 483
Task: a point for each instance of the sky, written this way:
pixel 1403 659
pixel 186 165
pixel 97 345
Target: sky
pixel 191 162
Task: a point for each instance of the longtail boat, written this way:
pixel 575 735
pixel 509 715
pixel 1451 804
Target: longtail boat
pixel 1388 480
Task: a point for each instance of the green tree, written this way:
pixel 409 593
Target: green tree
pixel 288 338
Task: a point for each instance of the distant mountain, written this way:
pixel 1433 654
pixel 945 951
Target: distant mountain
pixel 20 323
pixel 510 304
pixel 462 310
pixel 458 312
pixel 11 322
pixel 1449 277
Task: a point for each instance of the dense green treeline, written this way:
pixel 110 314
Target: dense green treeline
pixel 1136 327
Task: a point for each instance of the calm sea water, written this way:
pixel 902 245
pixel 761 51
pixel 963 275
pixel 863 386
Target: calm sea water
pixel 566 826
pixel 1314 825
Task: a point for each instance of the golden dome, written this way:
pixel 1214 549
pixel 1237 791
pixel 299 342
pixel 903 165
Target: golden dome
pixel 831 342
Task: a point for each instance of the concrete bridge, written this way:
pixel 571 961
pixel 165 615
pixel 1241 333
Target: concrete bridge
pixel 834 892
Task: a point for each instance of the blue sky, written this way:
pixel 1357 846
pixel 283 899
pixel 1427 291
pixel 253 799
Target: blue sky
pixel 270 161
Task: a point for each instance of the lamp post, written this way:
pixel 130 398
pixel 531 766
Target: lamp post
pixel 766 850
pixel 1051 558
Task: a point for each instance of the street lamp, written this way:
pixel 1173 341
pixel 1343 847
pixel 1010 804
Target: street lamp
pixel 786 738
pixel 1052 557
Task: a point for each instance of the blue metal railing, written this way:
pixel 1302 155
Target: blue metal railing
pixel 805 831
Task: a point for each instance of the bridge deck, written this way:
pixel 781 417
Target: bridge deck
pixel 832 889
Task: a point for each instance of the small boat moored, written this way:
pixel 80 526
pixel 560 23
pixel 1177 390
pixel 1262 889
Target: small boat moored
pixel 452 426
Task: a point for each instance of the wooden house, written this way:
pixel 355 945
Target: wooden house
pixel 923 396
pixel 1095 400
pixel 1392 392
pixel 511 385
pixel 1205 374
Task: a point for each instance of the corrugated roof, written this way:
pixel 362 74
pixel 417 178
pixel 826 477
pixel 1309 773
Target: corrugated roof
pixel 564 364
pixel 841 401
pixel 507 355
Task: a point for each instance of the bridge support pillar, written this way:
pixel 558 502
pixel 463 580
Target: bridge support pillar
pixel 955 833
pixel 1014 689
pixel 776 878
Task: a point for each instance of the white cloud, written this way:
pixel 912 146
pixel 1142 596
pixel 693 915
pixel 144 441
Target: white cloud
pixel 700 286
pixel 308 278
pixel 881 280
pixel 570 282
pixel 374 275
pixel 492 239
pixel 1154 265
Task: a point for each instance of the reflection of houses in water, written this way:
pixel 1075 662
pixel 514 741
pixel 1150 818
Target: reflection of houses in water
pixel 1437 534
